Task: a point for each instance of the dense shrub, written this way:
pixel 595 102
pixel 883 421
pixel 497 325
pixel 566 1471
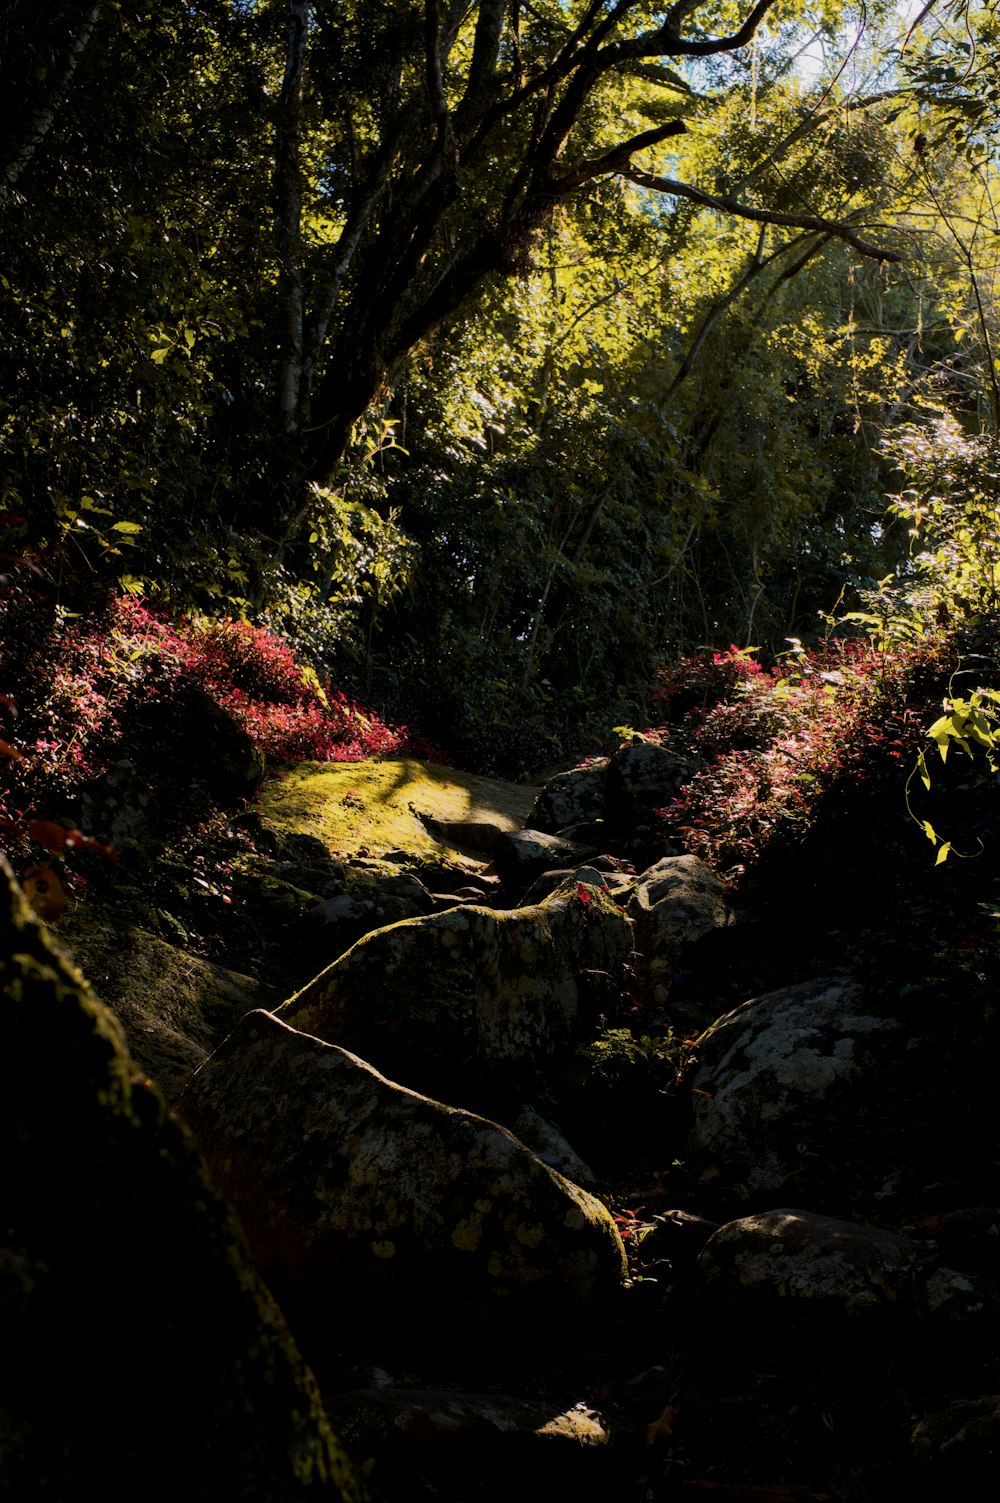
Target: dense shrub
pixel 775 742
pixel 72 687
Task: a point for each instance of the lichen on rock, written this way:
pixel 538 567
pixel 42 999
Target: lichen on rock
pixel 766 1072
pixel 345 1180
pixel 455 998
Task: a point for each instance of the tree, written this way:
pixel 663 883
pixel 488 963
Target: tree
pixel 209 279
pixel 422 148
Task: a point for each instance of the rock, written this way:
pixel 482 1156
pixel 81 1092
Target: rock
pixel 676 1237
pixel 674 903
pixel 806 1259
pixel 277 901
pixel 118 806
pixel 547 1142
pixel 392 805
pixel 479 835
pixel 958 1446
pixel 140 1349
pixel 471 996
pixel 522 855
pixel 186 734
pixel 570 798
pixel 410 887
pixel 345 1181
pixel 331 927
pixel 174 1007
pixel 440 878
pixel 642 777
pixel 963 1305
pixel 568 877
pixel 418 1443
pixel 460 895
pixel 765 1073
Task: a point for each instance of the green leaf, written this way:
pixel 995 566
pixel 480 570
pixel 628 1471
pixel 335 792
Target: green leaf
pixel 925 776
pixel 126 527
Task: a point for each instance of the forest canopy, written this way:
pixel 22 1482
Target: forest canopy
pixel 497 349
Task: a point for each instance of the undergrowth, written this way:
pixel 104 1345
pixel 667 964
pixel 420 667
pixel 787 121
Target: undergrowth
pixel 77 692
pixel 772 743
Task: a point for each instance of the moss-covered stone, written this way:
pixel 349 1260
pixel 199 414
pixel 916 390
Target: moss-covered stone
pixel 769 1075
pixel 446 1002
pixel 676 902
pixel 398 806
pixel 343 1179
pixel 803 1259
pixel 174 1007
pixel 433 1443
pixel 140 1349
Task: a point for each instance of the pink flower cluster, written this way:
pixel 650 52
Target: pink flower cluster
pixel 774 742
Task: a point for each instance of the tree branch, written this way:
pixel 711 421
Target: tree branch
pixel 666 40
pixel 618 157
pixel 41 121
pixel 813 222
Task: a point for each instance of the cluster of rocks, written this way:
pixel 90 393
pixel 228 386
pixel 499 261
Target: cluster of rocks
pixel 391 1140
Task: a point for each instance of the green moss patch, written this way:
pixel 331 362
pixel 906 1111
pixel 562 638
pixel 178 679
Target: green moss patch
pixel 371 807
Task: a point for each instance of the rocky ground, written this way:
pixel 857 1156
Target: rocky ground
pixel 573 1170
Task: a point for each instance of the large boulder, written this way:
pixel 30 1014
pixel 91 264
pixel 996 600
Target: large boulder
pixel 522 855
pixel 346 1181
pixel 335 924
pixel 405 807
pixel 140 1349
pixel 472 996
pixel 448 1445
pixel 958 1447
pixel 769 1073
pixel 674 903
pixel 174 1007
pixel 570 798
pixel 799 1258
pixel 591 875
pixel 185 734
pixel 642 777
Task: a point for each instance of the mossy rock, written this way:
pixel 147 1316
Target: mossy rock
pixel 400 806
pixel 140 1348
pixel 174 1007
pixel 457 1002
pixel 345 1180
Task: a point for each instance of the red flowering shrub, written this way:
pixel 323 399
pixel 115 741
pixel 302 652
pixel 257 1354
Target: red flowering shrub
pixel 74 683
pixel 779 741
pixel 248 659
pixel 703 679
